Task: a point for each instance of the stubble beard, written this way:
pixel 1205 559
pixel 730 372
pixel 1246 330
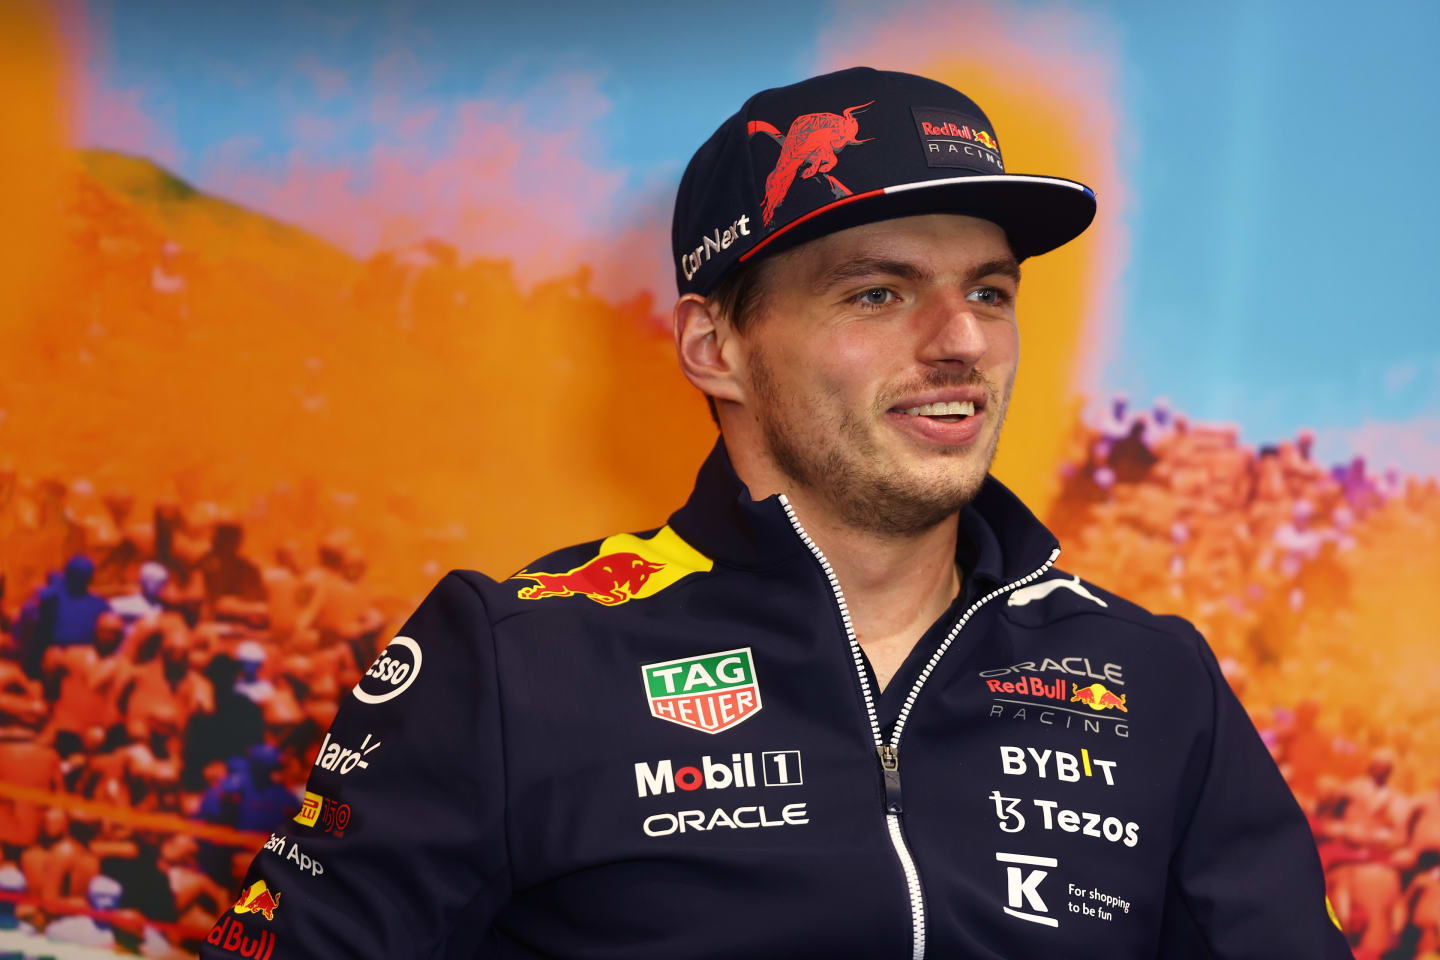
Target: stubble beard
pixel 836 458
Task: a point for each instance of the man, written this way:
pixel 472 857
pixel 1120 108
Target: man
pixel 147 602
pixel 68 615
pixel 85 682
pixel 841 705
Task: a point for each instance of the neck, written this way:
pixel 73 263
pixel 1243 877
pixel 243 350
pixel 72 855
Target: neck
pixel 896 585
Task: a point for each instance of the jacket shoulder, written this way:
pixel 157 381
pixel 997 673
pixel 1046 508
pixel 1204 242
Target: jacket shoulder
pixel 1062 595
pixel 595 574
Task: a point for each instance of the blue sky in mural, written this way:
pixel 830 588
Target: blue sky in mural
pixel 1281 158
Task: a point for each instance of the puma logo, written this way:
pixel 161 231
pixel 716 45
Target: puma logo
pixel 1043 589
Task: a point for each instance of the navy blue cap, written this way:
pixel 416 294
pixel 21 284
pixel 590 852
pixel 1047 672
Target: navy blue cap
pixel 853 147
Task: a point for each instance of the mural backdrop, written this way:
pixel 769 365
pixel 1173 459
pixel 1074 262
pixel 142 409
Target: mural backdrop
pixel 305 304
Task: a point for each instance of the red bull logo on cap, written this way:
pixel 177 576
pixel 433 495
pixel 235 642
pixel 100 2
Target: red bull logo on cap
pixel 808 150
pixel 1098 697
pixel 626 568
pixel 952 139
pixel 257 899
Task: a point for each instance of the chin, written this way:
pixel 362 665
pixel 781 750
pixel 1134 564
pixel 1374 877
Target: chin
pixel 903 502
pixel 941 466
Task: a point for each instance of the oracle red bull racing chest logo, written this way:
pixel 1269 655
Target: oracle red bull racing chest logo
pixel 710 693
pixel 1070 692
pixel 1098 697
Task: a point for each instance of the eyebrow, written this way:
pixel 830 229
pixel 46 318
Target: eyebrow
pixel 872 266
pixel 1004 266
pixel 869 267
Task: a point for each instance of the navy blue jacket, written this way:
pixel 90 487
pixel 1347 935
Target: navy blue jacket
pixel 670 745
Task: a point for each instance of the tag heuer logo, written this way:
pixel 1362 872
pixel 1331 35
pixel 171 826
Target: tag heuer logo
pixel 711 692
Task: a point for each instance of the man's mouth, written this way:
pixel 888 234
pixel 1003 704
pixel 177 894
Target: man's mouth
pixel 946 412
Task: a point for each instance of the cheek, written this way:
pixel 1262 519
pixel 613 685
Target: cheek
pixel 838 369
pixel 1003 349
pixel 807 373
pixel 857 363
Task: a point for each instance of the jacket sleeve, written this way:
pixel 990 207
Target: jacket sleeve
pixel 401 838
pixel 1245 877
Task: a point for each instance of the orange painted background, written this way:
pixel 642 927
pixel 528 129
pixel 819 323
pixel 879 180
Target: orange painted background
pixel 423 407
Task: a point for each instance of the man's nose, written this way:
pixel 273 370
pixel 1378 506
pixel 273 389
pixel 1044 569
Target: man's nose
pixel 951 332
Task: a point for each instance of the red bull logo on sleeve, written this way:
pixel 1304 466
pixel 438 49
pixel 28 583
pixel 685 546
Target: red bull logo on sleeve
pixel 258 899
pixel 710 693
pixel 626 568
pixel 229 935
pixel 1098 697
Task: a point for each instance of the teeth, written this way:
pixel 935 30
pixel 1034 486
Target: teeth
pixel 954 408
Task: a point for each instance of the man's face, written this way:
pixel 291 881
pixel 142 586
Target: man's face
pixel 860 334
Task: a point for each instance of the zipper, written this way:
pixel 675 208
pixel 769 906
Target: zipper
pixel 889 753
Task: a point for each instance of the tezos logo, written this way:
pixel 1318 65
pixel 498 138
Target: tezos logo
pixel 392 672
pixel 1011 820
pixel 711 692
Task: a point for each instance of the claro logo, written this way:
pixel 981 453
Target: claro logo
pixel 392 672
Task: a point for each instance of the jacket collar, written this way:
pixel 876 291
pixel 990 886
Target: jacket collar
pixel 1000 539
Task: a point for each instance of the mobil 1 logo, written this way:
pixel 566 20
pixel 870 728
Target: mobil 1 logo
pixel 744 772
pixel 777 768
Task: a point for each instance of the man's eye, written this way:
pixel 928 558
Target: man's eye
pixel 988 295
pixel 874 297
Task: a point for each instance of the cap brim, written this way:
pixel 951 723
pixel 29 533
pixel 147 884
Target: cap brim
pixel 1037 213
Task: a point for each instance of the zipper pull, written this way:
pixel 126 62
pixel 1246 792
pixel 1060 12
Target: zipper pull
pixel 890 769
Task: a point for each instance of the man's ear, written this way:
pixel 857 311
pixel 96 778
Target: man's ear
pixel 707 349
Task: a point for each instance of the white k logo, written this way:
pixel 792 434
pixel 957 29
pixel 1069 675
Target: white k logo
pixel 1023 887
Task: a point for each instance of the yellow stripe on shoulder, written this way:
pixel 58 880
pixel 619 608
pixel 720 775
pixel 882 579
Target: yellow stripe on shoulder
pixel 680 559
pixel 626 568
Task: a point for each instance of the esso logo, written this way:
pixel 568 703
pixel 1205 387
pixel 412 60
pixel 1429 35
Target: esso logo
pixel 392 672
